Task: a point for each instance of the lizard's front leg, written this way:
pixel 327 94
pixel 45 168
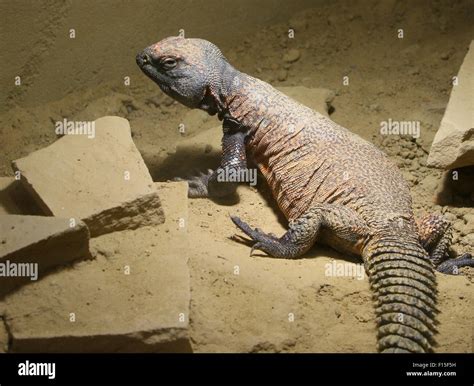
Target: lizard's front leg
pixel 216 184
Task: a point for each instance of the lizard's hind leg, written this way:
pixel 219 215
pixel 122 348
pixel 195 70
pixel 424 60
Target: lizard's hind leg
pixel 436 237
pixel 338 225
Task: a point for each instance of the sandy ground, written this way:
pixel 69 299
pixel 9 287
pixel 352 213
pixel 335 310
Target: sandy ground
pixel 279 305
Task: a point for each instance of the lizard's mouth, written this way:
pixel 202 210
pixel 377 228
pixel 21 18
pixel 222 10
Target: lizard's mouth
pixel 147 67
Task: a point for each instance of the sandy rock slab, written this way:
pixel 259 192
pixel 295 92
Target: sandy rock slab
pixel 100 179
pixel 203 147
pixel 453 145
pixel 32 245
pixel 14 199
pixel 133 297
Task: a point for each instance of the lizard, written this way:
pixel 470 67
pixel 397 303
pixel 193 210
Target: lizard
pixel 333 186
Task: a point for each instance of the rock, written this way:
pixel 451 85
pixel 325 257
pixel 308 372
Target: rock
pixel 14 199
pixel 409 177
pixel 282 75
pixel 450 217
pixel 292 55
pixel 453 145
pixel 94 179
pixel 469 219
pixel 135 301
pixel 44 241
pixel 446 55
pixel 140 211
pixel 459 227
pixel 469 239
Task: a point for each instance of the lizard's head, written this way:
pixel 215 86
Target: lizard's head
pixel 188 70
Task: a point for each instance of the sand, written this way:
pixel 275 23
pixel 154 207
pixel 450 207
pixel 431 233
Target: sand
pixel 281 305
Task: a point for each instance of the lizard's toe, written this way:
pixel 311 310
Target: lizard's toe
pixel 266 243
pixel 266 246
pixel 451 266
pixel 255 234
pixel 244 227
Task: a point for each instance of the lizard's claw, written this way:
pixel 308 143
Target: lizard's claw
pixel 197 185
pixel 241 239
pixel 256 246
pixel 255 234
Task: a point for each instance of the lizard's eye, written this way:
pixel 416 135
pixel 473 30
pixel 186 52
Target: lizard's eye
pixel 168 63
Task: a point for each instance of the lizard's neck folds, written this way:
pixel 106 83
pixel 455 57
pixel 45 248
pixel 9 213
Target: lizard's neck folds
pixel 246 99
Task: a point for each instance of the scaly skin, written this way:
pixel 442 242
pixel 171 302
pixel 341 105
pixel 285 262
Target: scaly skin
pixel 334 187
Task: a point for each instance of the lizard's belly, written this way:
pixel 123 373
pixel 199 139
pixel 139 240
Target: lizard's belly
pixel 297 184
pixel 291 190
pixel 306 169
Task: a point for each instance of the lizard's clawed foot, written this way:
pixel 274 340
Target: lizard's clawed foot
pixel 263 241
pixel 197 185
pixel 451 266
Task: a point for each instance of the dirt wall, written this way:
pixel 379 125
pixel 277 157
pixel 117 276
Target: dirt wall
pixel 36 43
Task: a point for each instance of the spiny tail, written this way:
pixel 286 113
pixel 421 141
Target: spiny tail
pixel 404 284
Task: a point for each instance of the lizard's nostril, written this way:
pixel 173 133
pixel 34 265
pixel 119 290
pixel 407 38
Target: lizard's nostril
pixel 143 59
pixel 146 59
